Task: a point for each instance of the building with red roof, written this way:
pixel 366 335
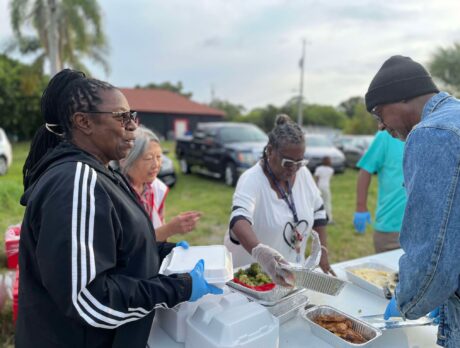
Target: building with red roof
pixel 167 113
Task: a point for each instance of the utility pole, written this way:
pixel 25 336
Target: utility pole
pixel 53 38
pixel 300 104
pixel 213 93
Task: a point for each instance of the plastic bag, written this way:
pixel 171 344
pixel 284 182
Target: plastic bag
pixel 6 287
pixel 313 259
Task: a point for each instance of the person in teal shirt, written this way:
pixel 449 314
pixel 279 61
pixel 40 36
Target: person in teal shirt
pixel 383 157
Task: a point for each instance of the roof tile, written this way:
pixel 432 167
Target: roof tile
pixel 160 100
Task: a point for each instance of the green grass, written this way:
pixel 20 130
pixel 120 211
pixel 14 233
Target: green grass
pixel 196 192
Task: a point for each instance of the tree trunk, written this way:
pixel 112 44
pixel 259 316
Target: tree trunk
pixel 53 38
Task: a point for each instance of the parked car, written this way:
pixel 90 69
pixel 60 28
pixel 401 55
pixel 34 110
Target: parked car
pixel 221 149
pixel 354 147
pixel 6 153
pixel 342 140
pixel 319 146
pixel 167 172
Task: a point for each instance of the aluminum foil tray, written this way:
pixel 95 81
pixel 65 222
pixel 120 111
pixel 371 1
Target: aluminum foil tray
pixel 363 283
pixel 318 282
pixel 268 298
pixel 368 331
pixel 288 307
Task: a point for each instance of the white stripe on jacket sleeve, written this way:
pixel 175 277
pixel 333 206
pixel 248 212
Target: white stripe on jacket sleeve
pixel 88 307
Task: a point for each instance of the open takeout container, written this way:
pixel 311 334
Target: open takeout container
pixel 265 297
pixel 218 264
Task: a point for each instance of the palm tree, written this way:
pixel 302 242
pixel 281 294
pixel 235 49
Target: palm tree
pixel 445 66
pixel 66 31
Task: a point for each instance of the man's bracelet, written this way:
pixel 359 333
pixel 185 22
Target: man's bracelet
pixel 325 249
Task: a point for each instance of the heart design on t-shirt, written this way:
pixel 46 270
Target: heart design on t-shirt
pixel 294 231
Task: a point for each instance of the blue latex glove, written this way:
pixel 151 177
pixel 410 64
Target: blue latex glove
pixel 360 219
pixel 392 310
pixel 183 244
pixel 435 314
pixel 200 286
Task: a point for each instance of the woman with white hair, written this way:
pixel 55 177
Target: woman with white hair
pixel 141 167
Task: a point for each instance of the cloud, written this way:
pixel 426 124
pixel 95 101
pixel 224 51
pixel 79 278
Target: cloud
pixel 249 50
pixel 211 42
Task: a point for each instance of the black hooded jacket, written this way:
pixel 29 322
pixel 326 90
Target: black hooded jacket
pixel 88 258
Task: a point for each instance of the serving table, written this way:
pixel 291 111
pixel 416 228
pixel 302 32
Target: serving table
pixel 352 300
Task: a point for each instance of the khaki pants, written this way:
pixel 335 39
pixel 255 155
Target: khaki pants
pixel 386 241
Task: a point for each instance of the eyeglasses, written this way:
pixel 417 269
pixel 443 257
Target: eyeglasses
pixel 289 164
pixel 123 116
pixel 376 115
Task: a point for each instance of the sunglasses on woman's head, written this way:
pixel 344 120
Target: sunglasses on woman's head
pixel 288 164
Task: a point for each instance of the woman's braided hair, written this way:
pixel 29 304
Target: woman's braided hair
pixel 67 92
pixel 285 132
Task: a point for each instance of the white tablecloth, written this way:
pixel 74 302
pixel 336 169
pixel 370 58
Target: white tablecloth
pixel 352 300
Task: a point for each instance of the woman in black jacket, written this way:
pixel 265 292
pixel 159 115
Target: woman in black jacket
pixel 89 260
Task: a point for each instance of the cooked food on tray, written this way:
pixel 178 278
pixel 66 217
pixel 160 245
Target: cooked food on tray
pixel 377 277
pixel 340 326
pixel 252 276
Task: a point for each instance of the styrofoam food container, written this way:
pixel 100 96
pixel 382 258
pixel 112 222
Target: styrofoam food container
pixel 174 320
pixel 371 287
pixel 233 322
pixel 218 264
pixel 269 298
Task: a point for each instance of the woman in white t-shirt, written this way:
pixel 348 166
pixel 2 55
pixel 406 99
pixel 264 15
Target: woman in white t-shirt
pixel 141 167
pixel 323 175
pixel 276 206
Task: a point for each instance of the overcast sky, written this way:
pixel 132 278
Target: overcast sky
pixel 249 50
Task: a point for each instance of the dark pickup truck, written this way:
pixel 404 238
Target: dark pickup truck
pixel 221 149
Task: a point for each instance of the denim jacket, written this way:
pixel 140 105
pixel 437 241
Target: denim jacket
pixel 429 270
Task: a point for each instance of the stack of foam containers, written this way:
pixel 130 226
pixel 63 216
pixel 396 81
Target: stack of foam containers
pixel 174 320
pixel 226 321
pixel 232 322
pixel 223 321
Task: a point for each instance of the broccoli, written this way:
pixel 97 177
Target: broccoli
pixel 253 276
pixel 246 280
pixel 254 269
pixel 263 278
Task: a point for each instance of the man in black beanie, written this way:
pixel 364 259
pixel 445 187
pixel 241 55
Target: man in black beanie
pixel 406 103
pixel 399 80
